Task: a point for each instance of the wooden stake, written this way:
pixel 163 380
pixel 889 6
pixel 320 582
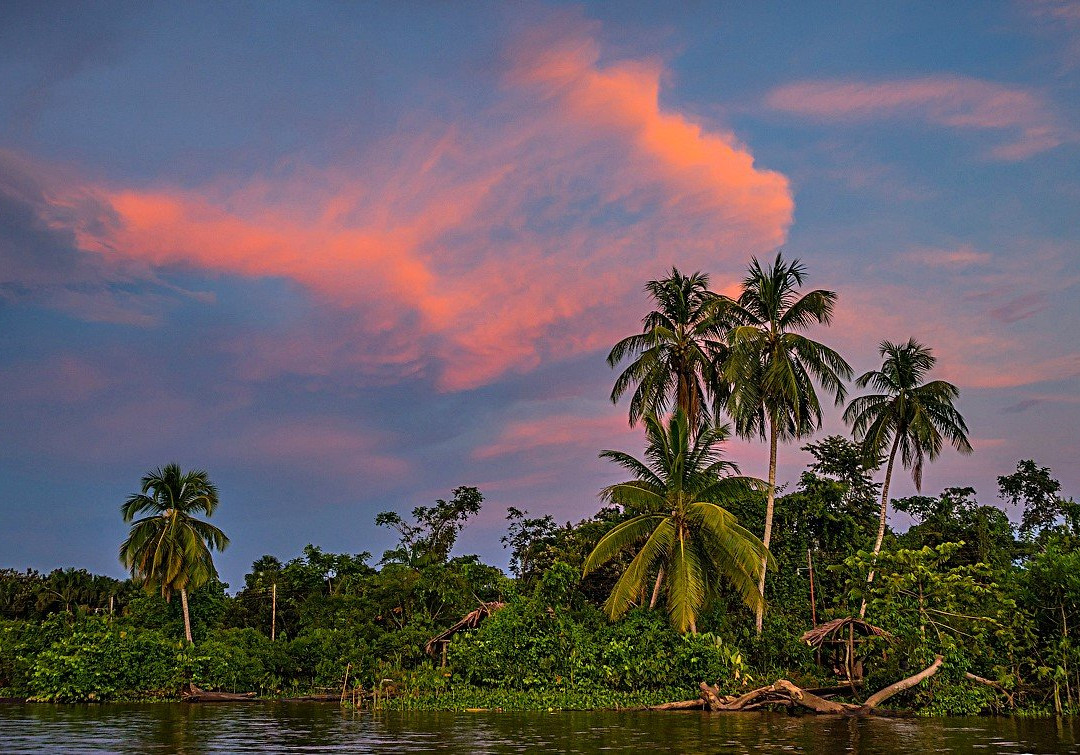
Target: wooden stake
pixel 345 683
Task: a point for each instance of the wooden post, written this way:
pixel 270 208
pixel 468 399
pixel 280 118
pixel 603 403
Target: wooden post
pixel 1065 658
pixel 851 653
pixel 273 613
pixel 813 606
pixel 345 683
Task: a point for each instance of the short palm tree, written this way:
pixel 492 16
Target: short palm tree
pixel 673 356
pixel 907 415
pixel 168 549
pixel 684 535
pixel 771 367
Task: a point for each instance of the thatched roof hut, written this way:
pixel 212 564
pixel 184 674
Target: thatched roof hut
pixel 437 645
pixel 831 629
pixel 841 636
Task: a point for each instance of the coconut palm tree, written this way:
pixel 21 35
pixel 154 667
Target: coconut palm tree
pixel 687 536
pixel 906 415
pixel 169 549
pixel 772 367
pixel 673 356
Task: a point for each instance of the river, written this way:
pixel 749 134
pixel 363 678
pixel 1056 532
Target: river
pixel 316 728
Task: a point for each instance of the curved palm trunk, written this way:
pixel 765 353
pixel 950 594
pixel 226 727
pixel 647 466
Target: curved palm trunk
pixel 760 618
pixel 187 617
pixel 656 589
pixel 881 520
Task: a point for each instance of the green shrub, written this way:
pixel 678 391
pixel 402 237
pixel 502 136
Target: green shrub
pixel 527 647
pixel 98 661
pixel 237 660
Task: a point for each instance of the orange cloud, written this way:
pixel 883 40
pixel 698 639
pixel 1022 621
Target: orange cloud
pixel 492 244
pixel 953 101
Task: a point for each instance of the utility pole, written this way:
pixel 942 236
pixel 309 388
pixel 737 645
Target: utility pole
pixel 813 603
pixel 273 613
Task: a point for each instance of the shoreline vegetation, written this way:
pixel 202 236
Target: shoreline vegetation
pixel 693 585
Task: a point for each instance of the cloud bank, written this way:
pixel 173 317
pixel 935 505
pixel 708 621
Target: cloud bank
pixel 479 247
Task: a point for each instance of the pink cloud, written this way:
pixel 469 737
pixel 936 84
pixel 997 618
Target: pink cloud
pixel 319 445
pixel 952 101
pixel 977 339
pixel 478 249
pixel 62 379
pixel 558 431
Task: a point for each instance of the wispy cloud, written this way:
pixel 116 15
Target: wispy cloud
pixel 962 256
pixel 571 431
pixel 1061 18
pixel 1020 307
pixel 956 102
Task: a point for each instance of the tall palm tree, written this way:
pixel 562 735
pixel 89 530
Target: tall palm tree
pixel 907 415
pixel 694 542
pixel 168 548
pixel 771 367
pixel 673 356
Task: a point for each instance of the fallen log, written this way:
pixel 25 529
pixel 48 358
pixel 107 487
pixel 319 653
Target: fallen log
pixel 783 692
pixel 680 705
pixel 192 694
pixel 896 688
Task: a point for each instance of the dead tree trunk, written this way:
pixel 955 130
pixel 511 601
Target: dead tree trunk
pixel 783 692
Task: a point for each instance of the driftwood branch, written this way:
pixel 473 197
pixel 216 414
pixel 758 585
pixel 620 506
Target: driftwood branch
pixel 783 692
pixel 993 684
pixel 896 688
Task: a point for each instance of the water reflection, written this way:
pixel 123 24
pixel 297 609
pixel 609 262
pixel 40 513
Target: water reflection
pixel 283 727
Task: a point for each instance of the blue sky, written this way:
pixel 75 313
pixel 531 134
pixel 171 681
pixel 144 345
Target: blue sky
pixel 347 257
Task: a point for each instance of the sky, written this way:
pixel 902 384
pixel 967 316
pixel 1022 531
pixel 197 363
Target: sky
pixel 349 256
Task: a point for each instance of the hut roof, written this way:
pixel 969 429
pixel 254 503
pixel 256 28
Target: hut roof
pixel 830 629
pixel 471 620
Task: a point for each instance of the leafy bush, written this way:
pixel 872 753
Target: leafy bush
pixel 235 660
pixel 527 646
pixel 98 661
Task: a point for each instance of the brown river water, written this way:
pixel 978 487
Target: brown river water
pixel 319 728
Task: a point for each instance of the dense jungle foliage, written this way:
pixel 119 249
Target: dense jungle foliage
pixel 997 600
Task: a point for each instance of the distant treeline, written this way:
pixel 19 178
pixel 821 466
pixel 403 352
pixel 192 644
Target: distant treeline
pixel 999 601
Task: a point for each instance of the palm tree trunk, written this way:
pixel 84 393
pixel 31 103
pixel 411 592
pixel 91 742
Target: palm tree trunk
pixel 187 617
pixel 881 520
pixel 760 618
pixel 656 589
pixel 686 398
